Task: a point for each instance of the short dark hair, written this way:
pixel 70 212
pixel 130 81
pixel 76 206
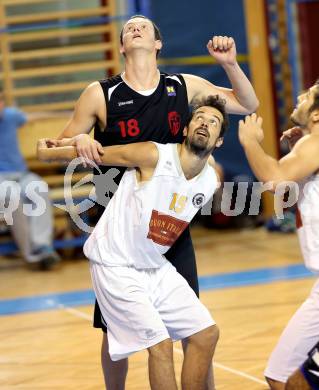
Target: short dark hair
pixel 315 104
pixel 157 32
pixel 216 102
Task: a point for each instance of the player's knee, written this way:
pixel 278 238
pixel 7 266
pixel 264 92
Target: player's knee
pixel 275 385
pixel 206 339
pixel 162 350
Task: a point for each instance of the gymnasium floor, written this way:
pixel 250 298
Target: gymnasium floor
pixel 251 281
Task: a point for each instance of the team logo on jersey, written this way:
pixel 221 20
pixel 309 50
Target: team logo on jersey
pixel 174 120
pixel 165 229
pixel 171 91
pixel 198 200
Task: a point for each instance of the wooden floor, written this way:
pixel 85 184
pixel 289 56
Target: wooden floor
pixel 58 349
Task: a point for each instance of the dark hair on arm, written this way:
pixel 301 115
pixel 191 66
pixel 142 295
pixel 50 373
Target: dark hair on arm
pixel 216 102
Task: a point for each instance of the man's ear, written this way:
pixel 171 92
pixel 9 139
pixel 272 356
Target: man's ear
pixel 219 142
pixel 122 51
pixel 185 131
pixel 315 116
pixel 158 44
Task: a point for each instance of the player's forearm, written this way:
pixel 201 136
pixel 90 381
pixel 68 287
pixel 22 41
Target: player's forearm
pixel 113 155
pixel 242 88
pixel 265 167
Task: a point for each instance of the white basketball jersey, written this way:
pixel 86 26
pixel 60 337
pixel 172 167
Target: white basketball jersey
pixel 143 220
pixel 307 221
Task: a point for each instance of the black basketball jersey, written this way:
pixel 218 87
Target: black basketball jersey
pixel 133 117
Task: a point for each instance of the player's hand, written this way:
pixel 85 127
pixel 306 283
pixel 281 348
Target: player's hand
pixel 292 136
pixel 51 142
pixel 88 148
pixel 250 129
pixel 54 143
pixel 223 49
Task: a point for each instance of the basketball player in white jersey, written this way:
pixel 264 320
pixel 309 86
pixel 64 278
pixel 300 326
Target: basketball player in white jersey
pixel 147 304
pixel 301 165
pixel 141 81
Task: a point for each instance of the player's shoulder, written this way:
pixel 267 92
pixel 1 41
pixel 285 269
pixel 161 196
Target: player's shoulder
pixel 93 93
pixel 110 81
pixel 191 77
pixel 173 77
pixel 308 144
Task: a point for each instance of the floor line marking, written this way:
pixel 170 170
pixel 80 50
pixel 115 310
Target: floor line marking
pixel 81 314
pixel 75 312
pixel 231 370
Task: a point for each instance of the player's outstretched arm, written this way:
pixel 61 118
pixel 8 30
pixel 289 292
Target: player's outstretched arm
pixel 302 161
pixel 241 99
pixel 142 154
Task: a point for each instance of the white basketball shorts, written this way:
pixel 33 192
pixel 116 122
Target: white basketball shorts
pixel 299 336
pixel 145 307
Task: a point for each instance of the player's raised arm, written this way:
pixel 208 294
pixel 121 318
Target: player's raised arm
pixel 302 161
pixel 142 154
pixel 241 99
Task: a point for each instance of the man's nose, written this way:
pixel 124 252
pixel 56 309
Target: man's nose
pixel 136 28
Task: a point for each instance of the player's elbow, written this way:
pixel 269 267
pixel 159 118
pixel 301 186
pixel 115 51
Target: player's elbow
pixel 252 106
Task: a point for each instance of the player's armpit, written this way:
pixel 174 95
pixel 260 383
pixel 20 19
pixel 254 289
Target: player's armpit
pixel 198 88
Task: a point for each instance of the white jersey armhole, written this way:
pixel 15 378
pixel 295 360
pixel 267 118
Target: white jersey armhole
pixel 142 184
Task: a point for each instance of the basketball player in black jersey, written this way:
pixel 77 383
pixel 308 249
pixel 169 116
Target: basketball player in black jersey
pixel 143 104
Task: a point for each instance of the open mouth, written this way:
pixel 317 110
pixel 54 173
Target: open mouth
pixel 202 132
pixel 137 36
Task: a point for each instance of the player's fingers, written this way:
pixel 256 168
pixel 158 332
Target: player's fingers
pixel 215 42
pixel 82 154
pixel 95 154
pixel 296 130
pixel 220 42
pixel 230 42
pixel 209 44
pixel 100 148
pixel 82 159
pixel 253 117
pixel 225 43
pixel 259 121
pixel 52 142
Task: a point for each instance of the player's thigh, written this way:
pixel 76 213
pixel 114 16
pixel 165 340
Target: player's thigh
pixel 133 322
pixel 180 309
